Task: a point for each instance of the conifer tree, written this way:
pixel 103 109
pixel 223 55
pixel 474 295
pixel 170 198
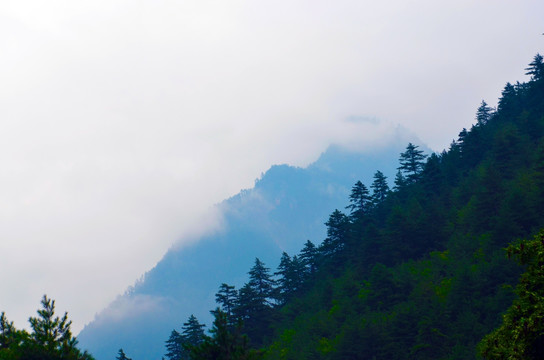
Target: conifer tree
pixel 411 163
pixel 308 257
pixel 224 343
pixel 379 187
pixel 536 68
pixel 174 347
pixel 337 231
pixel 246 303
pixel 226 298
pixel 262 284
pixel 521 335
pixel 360 201
pixel 400 181
pixel 508 100
pixel 49 331
pixel 192 331
pixel 483 114
pixel 290 272
pixel 7 332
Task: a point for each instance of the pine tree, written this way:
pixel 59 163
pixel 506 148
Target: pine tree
pixel 290 276
pixel 379 187
pixel 400 181
pixel 174 347
pixel 192 331
pixel 262 284
pixel 308 257
pixel 521 335
pixel 337 231
pixel 536 68
pixel 360 201
pixel 411 163
pixel 50 332
pixel 224 343
pixel 226 298
pixel 7 332
pixel 246 303
pixel 483 114
pixel 508 101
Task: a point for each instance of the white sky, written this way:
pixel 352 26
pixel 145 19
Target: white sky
pixel 122 122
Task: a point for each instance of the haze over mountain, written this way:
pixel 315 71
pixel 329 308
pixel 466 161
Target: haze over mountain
pixel 287 206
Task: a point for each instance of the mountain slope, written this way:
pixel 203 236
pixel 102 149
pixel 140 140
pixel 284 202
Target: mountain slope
pixel 287 206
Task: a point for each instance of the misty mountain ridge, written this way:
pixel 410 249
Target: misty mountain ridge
pixel 287 206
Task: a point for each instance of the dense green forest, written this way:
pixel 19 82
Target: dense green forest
pixel 418 271
pixel 422 270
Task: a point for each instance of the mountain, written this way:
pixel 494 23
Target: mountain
pixel 287 206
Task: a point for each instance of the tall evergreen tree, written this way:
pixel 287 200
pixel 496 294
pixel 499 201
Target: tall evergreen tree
pixel 290 272
pixel 536 68
pixel 192 331
pixel 360 201
pixel 50 332
pixel 174 347
pixel 7 332
pixel 246 303
pixel 262 283
pixel 224 343
pixel 226 298
pixel 308 257
pixel 379 187
pixel 400 181
pixel 337 232
pixel 483 114
pixel 411 163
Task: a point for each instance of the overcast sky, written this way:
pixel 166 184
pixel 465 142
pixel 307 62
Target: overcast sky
pixel 123 121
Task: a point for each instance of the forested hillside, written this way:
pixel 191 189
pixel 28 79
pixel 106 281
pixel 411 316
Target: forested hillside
pixel 414 272
pixel 287 206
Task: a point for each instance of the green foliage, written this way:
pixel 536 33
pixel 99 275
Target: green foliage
pixel 50 339
pixel 411 163
pixel 521 334
pixel 224 343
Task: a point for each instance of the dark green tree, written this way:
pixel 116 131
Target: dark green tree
pixel 262 284
pixel 51 337
pixel 536 68
pixel 521 335
pixel 411 163
pixel 360 201
pixel 7 332
pixel 246 303
pixel 223 343
pixel 290 272
pixel 337 231
pixel 483 114
pixel 400 181
pixel 226 298
pixel 192 331
pixel 508 103
pixel 174 347
pixel 379 187
pixel 308 257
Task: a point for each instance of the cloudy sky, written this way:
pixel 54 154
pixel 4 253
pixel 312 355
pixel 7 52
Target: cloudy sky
pixel 123 121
